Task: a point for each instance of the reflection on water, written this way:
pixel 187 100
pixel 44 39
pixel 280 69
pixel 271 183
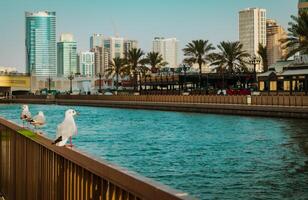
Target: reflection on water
pixel 208 156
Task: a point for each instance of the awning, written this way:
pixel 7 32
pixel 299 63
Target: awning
pixel 295 72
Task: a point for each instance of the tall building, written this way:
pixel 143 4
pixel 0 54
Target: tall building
pixel 96 40
pixel 130 44
pixel 168 48
pixel 302 5
pixel 86 63
pixel 252 31
pixel 274 33
pixel 41 43
pixel 99 55
pixel 113 47
pixel 67 55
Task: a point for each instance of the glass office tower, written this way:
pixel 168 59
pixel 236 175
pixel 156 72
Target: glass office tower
pixel 41 43
pixel 67 55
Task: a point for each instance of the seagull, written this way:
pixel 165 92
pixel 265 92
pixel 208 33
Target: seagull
pixel 38 120
pixel 66 129
pixel 25 114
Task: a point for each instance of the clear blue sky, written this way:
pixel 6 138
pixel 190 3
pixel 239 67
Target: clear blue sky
pixel 134 19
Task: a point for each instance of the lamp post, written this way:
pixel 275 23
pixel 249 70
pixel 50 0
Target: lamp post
pixel 185 70
pixel 254 61
pixel 49 79
pixel 100 83
pixel 71 78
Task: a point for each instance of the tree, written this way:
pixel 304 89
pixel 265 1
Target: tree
pixel 231 58
pixel 155 60
pixel 262 51
pixel 116 66
pixel 297 39
pixel 135 62
pixel 197 51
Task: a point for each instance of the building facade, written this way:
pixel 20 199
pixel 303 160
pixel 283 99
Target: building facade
pixel 40 37
pixel 302 5
pixel 67 55
pixel 168 48
pixel 96 40
pixel 252 31
pixel 99 57
pixel 130 44
pixel 86 64
pixel 113 47
pixel 274 33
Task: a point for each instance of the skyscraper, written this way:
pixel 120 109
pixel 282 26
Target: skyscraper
pixel 130 44
pixel 99 55
pixel 96 40
pixel 168 48
pixel 113 47
pixel 274 33
pixel 41 43
pixel 302 5
pixel 252 30
pixel 86 61
pixel 67 55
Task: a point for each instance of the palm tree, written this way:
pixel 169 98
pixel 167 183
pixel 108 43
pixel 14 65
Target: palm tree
pixel 262 51
pixel 116 66
pixel 134 62
pixel 231 58
pixel 155 60
pixel 197 51
pixel 297 40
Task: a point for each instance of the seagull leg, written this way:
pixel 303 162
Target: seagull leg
pixel 71 144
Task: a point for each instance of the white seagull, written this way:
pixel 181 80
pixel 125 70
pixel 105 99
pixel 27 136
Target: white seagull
pixel 38 120
pixel 25 114
pixel 66 129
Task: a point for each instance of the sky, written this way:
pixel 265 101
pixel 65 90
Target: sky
pixel 142 20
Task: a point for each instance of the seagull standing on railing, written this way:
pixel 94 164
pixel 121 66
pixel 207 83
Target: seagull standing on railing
pixel 38 120
pixel 66 129
pixel 25 114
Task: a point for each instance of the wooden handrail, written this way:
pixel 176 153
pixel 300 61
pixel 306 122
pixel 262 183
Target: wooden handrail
pixel 121 180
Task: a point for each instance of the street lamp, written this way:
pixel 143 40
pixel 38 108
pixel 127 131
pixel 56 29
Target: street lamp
pixel 185 70
pixel 100 82
pixel 71 78
pixel 255 61
pixel 49 79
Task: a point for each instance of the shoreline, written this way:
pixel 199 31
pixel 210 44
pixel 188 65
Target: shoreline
pixel 299 112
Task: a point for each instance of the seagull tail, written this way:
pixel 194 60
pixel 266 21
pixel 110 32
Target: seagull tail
pixel 57 140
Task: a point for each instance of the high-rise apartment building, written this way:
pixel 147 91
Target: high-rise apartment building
pixel 302 5
pixel 168 48
pixel 274 33
pixel 67 55
pixel 130 44
pixel 252 31
pixel 86 63
pixel 96 40
pixel 99 55
pixel 113 47
pixel 41 43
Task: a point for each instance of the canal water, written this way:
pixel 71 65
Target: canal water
pixel 207 156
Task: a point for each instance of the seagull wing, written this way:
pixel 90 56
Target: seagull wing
pixel 38 120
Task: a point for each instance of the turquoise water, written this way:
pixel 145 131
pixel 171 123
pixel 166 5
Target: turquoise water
pixel 207 156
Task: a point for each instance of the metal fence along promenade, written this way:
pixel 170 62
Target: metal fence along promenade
pixel 31 168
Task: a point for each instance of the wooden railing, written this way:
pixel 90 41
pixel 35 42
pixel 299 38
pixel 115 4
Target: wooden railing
pixel 33 169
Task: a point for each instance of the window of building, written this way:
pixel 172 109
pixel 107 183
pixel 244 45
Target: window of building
pixel 286 85
pixel 273 86
pixel 261 86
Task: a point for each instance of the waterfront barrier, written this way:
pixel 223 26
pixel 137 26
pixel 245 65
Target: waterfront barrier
pixel 33 169
pixel 199 99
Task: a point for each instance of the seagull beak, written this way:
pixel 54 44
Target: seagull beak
pixel 77 113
